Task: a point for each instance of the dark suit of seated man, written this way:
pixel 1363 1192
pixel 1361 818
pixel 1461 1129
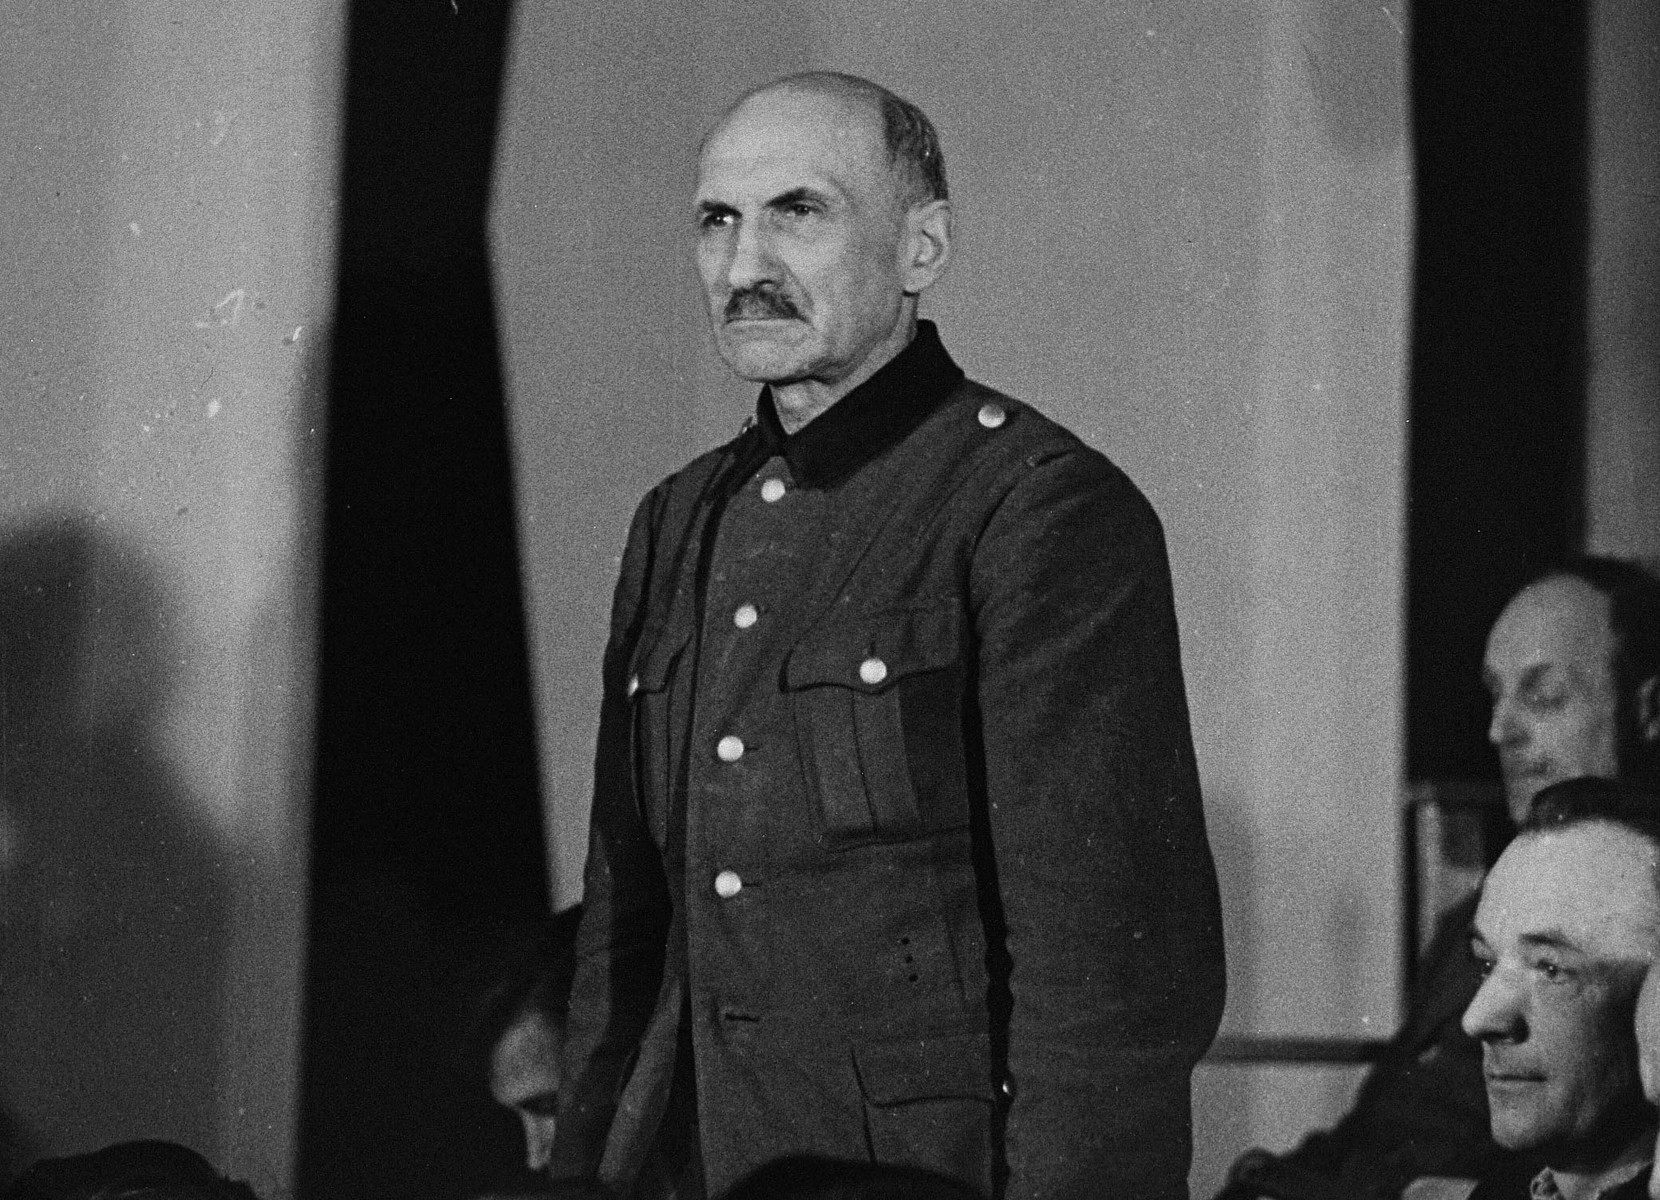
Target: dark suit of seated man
pixel 1573 668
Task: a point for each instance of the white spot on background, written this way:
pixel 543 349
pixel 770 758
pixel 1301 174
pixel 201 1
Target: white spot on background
pixel 293 337
pixel 221 124
pixel 132 226
pixel 227 312
pixel 213 407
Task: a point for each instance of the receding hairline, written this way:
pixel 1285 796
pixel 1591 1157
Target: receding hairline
pixel 1644 838
pixel 808 83
pixel 859 94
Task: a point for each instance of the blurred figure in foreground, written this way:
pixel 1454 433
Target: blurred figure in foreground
pixel 146 1170
pixel 517 1031
pixel 810 1177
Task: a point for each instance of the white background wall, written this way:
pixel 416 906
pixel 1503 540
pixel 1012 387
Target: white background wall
pixel 168 167
pixel 1622 442
pixel 1183 231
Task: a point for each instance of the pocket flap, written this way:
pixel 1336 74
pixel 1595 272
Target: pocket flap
pixel 654 657
pixel 925 1067
pixel 872 651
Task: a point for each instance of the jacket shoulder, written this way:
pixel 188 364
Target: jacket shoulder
pixel 678 492
pixel 999 438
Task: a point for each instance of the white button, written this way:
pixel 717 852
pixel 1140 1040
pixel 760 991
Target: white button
pixel 745 616
pixel 728 884
pixel 993 415
pixel 729 748
pixel 633 685
pixel 873 670
pixel 772 491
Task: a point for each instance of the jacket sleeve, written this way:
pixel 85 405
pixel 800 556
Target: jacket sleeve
pixel 626 910
pixel 1107 891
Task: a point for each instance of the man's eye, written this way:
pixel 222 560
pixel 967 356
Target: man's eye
pixel 1484 965
pixel 714 220
pixel 799 209
pixel 1552 971
pixel 1545 696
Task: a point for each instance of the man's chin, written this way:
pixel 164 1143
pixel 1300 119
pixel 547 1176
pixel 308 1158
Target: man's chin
pixel 1516 1122
pixel 1520 787
pixel 763 351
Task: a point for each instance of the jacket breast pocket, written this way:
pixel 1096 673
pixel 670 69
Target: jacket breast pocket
pixel 877 700
pixel 651 749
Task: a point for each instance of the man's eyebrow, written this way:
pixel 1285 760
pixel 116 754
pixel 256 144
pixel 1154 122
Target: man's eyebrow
pixel 1551 939
pixel 796 195
pixel 705 207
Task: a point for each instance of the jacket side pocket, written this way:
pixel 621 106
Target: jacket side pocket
pixel 929 1103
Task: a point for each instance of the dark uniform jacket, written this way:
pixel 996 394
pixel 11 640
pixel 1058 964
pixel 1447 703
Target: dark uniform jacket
pixel 897 848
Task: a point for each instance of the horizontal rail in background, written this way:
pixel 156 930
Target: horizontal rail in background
pixel 1257 1049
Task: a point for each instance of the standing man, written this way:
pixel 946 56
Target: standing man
pixel 897 851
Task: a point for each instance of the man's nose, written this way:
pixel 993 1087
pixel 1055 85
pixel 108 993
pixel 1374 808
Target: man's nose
pixel 1496 1011
pixel 1503 727
pixel 752 259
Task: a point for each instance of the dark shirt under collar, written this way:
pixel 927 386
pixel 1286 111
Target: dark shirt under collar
pixel 870 418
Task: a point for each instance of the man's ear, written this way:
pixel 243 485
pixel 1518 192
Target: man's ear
pixel 927 244
pixel 1648 710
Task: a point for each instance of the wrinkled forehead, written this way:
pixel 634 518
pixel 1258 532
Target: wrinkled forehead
pixel 785 132
pixel 1593 884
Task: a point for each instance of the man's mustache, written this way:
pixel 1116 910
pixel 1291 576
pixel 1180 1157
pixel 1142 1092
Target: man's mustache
pixel 761 302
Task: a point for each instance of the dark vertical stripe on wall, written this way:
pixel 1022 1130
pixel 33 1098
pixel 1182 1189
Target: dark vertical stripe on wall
pixel 1498 371
pixel 427 832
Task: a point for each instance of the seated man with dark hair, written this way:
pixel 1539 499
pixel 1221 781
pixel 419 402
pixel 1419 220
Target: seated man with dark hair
pixel 1573 668
pixel 1567 927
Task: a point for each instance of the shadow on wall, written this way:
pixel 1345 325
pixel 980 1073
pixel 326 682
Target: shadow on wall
pixel 112 905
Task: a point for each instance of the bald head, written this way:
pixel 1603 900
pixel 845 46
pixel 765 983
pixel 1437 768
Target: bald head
pixel 1549 669
pixel 906 134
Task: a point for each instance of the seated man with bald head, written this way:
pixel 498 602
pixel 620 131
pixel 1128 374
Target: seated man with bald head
pixel 1567 926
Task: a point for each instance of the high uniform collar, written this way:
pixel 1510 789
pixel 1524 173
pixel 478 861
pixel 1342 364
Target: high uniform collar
pixel 870 418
